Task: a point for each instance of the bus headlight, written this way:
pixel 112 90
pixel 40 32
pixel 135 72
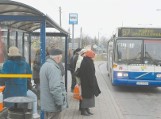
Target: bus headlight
pixel 122 74
pixel 125 75
pixel 119 74
pixel 158 75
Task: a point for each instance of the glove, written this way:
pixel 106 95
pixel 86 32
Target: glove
pixel 59 107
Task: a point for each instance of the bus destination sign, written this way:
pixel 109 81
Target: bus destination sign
pixel 139 32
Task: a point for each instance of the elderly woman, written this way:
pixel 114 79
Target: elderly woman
pixel 89 84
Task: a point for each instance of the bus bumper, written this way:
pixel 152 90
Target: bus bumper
pixel 130 82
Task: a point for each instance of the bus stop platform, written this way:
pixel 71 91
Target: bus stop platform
pixel 105 105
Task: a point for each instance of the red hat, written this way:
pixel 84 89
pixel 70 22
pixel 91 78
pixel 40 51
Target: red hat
pixel 90 53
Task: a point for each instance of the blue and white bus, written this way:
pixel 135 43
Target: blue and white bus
pixel 134 57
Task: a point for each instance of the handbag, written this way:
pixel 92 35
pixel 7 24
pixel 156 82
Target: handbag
pixel 77 92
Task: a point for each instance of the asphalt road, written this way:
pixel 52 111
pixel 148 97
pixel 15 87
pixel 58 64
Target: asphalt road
pixel 135 102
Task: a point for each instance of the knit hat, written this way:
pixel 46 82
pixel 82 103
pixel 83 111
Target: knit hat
pixel 14 51
pixel 90 54
pixel 54 51
pixel 77 50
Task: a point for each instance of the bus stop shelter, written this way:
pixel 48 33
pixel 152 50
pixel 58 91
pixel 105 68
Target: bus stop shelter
pixel 28 19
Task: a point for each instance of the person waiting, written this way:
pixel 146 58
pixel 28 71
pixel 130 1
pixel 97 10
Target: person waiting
pixel 16 64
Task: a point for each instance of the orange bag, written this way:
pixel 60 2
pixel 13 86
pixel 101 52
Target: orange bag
pixel 77 92
pixel 1 97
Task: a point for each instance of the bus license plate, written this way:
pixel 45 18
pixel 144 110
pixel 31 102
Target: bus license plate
pixel 142 83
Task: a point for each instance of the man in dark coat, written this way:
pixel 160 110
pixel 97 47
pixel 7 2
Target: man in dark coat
pixel 73 61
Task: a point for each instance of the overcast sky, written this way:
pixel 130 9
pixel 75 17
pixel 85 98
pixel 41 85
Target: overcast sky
pixel 102 16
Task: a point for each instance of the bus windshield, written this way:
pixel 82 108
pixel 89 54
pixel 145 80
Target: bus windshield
pixel 138 51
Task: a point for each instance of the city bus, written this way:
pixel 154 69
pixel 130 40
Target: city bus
pixel 134 57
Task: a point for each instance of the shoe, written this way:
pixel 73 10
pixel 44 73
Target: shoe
pixel 88 111
pixel 84 112
pixel 36 116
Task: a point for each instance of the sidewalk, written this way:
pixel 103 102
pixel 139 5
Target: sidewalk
pixel 105 107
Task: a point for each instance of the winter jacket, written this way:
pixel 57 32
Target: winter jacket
pixel 88 79
pixel 15 86
pixel 52 91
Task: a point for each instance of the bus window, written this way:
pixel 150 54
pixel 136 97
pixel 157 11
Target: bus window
pixel 127 50
pixel 152 50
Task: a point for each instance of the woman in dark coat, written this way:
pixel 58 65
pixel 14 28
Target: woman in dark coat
pixel 89 85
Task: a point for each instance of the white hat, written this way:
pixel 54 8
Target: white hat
pixel 82 51
pixel 14 51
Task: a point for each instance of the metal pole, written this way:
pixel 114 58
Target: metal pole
pixel 98 38
pixel 23 43
pixel 43 49
pixel 42 40
pixel 66 61
pixel 29 49
pixel 8 39
pixel 16 39
pixel 72 36
pixel 60 15
pixel 80 42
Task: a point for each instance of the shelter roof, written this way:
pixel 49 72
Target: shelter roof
pixel 13 8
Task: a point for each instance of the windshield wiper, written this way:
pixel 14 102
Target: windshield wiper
pixel 148 58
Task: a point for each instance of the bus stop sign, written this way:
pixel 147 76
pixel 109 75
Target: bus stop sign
pixel 73 18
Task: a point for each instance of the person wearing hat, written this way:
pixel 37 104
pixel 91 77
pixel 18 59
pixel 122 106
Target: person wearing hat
pixel 52 91
pixel 80 58
pixel 89 86
pixel 78 63
pixel 16 64
pixel 36 70
pixel 73 61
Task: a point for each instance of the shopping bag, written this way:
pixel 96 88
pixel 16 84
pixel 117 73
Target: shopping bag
pixel 77 92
